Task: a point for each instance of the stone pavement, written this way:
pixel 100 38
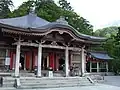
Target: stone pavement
pixel 111 83
pixel 97 87
pixel 112 80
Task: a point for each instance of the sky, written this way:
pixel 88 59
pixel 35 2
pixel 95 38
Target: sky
pixel 100 13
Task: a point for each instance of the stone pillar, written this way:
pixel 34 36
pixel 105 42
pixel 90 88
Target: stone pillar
pixel 67 61
pixel 17 60
pixel 90 66
pixel 82 62
pixel 39 60
pixel 97 66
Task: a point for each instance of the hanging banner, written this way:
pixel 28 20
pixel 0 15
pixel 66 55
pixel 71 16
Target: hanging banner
pixel 7 61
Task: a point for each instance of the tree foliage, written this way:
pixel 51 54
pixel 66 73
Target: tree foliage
pixel 5 8
pixel 65 5
pixel 112 46
pixel 106 32
pixel 48 10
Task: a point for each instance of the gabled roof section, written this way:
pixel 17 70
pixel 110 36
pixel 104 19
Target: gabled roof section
pixel 100 55
pixel 29 21
pixel 62 23
pixel 39 25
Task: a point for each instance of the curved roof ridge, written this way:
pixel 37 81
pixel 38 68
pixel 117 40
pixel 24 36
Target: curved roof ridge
pixel 62 25
pixel 40 25
pixel 28 21
pixel 99 55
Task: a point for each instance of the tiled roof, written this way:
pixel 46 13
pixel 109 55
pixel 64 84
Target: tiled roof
pixel 103 56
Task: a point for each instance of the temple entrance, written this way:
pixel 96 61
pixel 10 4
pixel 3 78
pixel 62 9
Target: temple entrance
pixel 88 66
pixel 22 60
pixel 44 63
pixel 61 64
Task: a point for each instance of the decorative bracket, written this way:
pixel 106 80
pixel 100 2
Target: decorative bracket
pixel 54 43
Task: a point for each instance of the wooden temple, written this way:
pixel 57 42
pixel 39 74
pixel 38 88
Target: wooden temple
pixel 29 41
pixel 97 61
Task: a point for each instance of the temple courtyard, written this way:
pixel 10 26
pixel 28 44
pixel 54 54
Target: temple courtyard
pixel 97 87
pixel 109 83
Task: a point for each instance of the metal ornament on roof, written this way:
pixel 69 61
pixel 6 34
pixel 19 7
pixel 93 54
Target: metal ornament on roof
pixel 32 10
pixel 62 20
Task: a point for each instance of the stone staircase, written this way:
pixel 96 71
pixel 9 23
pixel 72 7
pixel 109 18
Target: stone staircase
pixel 8 83
pixel 45 82
pixel 55 82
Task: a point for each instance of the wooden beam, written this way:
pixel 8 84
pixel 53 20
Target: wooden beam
pixel 51 46
pixel 26 44
pixel 47 46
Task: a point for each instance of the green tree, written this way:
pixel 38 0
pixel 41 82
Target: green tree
pixel 112 46
pixel 5 8
pixel 23 9
pixel 47 9
pixel 106 32
pixel 65 5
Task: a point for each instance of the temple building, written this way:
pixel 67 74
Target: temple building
pixel 97 61
pixel 29 41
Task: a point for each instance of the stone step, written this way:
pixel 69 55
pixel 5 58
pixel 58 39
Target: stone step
pixel 58 82
pixel 40 80
pixel 52 86
pixel 46 82
pixel 53 82
pixel 8 82
pixel 7 88
pixel 49 82
pixel 48 86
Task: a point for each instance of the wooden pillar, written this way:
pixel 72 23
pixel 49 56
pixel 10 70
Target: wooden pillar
pixel 57 62
pixel 17 59
pixel 7 52
pixel 107 66
pixel 25 62
pixel 28 60
pixel 67 61
pixel 48 61
pixel 11 60
pixel 70 60
pixel 14 61
pixel 31 61
pixel 52 60
pixel 82 62
pixel 39 60
pixel 97 66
